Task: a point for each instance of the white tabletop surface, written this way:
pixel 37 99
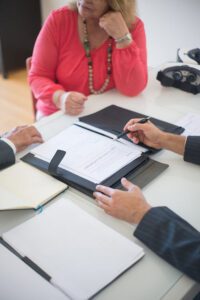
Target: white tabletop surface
pixel 178 188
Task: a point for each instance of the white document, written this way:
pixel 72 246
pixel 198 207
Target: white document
pixel 88 154
pixel 23 186
pixel 191 123
pixel 111 135
pixel 81 254
pixel 19 282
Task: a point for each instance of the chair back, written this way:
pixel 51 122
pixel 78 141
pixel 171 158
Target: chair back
pixel 34 100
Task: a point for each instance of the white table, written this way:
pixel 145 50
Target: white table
pixel 178 188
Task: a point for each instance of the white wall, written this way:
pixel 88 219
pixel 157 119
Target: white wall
pixel 170 24
pixel 48 5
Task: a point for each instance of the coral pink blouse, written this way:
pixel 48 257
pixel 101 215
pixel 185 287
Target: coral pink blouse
pixel 59 61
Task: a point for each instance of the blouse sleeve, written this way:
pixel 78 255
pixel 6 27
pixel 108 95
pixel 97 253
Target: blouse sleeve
pixel 42 75
pixel 130 63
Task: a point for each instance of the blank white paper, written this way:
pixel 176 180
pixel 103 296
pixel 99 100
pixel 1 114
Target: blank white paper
pixel 89 155
pixel 19 282
pixel 191 123
pixel 111 135
pixel 80 253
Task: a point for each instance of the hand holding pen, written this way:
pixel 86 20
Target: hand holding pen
pixel 144 132
pixel 126 129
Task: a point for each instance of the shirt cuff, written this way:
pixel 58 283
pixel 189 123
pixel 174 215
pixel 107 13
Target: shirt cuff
pixel 7 141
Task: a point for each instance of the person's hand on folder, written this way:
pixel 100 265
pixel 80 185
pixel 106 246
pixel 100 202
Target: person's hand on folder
pixel 23 136
pixel 129 205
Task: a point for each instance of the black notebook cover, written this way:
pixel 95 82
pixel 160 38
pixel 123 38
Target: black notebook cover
pixel 113 119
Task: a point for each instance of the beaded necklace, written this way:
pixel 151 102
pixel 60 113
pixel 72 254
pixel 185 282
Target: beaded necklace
pixel 86 44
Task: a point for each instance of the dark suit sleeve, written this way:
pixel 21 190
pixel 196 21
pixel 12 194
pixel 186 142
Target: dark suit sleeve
pixel 7 156
pixel 172 238
pixel 192 149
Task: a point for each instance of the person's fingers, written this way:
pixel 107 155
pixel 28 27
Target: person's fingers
pixel 133 136
pixel 137 126
pixel 141 136
pixel 129 186
pixel 78 99
pixel 74 105
pixel 75 112
pixel 104 189
pixel 18 129
pixel 73 108
pixel 35 140
pixel 38 135
pixel 104 206
pixel 135 140
pixel 137 134
pixel 33 131
pixel 102 198
pixel 130 122
pixel 21 127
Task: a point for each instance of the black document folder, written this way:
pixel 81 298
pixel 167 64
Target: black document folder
pixel 113 119
pixel 140 171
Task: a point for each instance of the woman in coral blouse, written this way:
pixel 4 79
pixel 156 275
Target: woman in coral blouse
pixel 89 47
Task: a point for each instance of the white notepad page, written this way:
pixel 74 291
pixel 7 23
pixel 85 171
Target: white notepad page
pixel 80 253
pixel 23 186
pixel 88 154
pixel 111 135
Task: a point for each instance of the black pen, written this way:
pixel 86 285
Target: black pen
pixel 141 121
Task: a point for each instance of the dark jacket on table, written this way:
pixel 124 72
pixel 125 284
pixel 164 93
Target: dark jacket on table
pixel 7 156
pixel 168 235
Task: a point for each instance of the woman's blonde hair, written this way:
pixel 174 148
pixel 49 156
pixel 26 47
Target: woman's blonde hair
pixel 126 7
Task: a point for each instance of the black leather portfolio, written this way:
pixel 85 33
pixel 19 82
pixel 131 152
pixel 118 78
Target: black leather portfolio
pixel 140 171
pixel 112 119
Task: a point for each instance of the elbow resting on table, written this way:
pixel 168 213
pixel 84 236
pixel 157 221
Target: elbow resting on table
pixel 134 90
